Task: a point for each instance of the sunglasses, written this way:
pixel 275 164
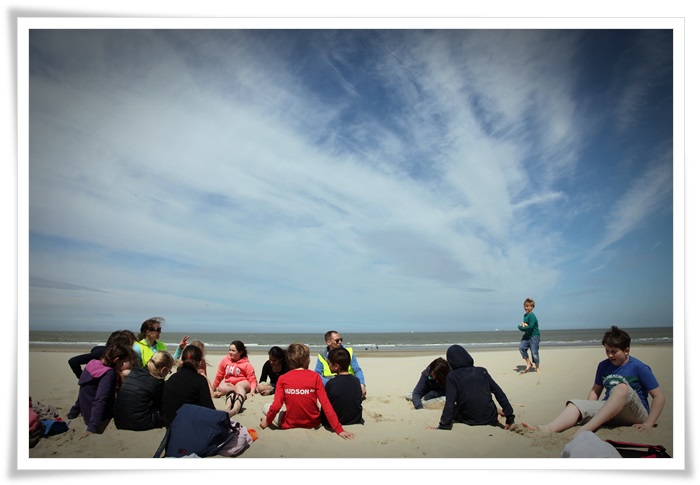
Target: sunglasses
pixel 338 340
pixel 157 329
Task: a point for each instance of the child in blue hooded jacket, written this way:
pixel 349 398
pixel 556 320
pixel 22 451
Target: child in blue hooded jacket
pixel 468 396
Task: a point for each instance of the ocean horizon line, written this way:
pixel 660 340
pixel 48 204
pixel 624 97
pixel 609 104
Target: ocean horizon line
pixel 370 341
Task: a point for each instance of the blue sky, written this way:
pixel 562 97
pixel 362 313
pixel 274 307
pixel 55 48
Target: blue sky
pixel 389 180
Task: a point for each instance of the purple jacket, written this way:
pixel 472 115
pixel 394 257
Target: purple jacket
pixel 97 392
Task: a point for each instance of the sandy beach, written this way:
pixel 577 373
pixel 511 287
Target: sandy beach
pixel 392 429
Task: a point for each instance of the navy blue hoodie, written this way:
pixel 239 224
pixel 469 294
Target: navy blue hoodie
pixel 425 388
pixel 468 395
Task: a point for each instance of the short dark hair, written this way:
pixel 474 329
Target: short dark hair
pixel 339 356
pixel 617 338
pixel 329 334
pixel 276 352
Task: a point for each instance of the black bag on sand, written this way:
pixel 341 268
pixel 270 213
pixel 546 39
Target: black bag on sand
pixel 197 430
pixel 638 450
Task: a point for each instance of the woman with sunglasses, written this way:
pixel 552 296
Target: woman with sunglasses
pixel 148 344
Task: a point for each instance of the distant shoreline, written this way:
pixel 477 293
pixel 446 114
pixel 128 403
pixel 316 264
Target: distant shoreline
pixel 77 349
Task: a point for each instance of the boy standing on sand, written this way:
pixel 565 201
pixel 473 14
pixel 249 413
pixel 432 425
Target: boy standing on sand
pixel 531 336
pixel 627 382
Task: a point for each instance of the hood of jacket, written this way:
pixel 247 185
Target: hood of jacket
pixel 93 370
pixel 458 357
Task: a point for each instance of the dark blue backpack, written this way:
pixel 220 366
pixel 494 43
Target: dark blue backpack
pixel 199 430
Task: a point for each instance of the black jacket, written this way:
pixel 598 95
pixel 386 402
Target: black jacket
pixel 468 395
pixel 186 386
pixel 424 387
pixel 139 402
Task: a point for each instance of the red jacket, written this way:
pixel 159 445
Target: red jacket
pixel 300 390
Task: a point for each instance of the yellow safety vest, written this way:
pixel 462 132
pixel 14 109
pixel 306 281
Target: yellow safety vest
pixel 326 367
pixel 147 351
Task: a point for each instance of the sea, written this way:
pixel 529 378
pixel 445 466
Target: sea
pixel 371 342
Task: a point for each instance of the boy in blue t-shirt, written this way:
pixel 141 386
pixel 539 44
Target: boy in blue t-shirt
pixel 627 382
pixel 531 337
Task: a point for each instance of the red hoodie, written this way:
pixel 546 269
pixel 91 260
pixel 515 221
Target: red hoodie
pixel 234 372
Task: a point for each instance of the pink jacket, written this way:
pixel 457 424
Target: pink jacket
pixel 235 372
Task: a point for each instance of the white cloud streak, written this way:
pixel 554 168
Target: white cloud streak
pixel 209 173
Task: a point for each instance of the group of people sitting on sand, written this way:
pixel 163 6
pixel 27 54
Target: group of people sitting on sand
pixel 129 380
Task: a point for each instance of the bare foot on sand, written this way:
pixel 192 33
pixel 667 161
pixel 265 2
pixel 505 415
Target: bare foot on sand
pixel 530 427
pixel 527 369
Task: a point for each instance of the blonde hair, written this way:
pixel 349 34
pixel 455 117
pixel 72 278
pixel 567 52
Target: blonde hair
pixel 530 301
pixel 298 356
pixel 158 362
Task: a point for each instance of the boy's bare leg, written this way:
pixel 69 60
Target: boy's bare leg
pixel 537 367
pixel 528 366
pixel 612 407
pixel 566 419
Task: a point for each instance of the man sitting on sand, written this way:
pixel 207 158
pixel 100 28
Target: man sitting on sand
pixel 335 341
pixel 627 382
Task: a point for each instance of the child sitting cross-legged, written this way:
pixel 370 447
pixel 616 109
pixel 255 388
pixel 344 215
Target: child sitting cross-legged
pixel 344 390
pixel 300 390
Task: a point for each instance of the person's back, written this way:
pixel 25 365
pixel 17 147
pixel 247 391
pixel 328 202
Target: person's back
pixel 345 394
pixel 98 385
pixel 300 390
pixel 469 394
pixel 186 386
pixel 96 395
pixel 139 403
pixel 344 390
